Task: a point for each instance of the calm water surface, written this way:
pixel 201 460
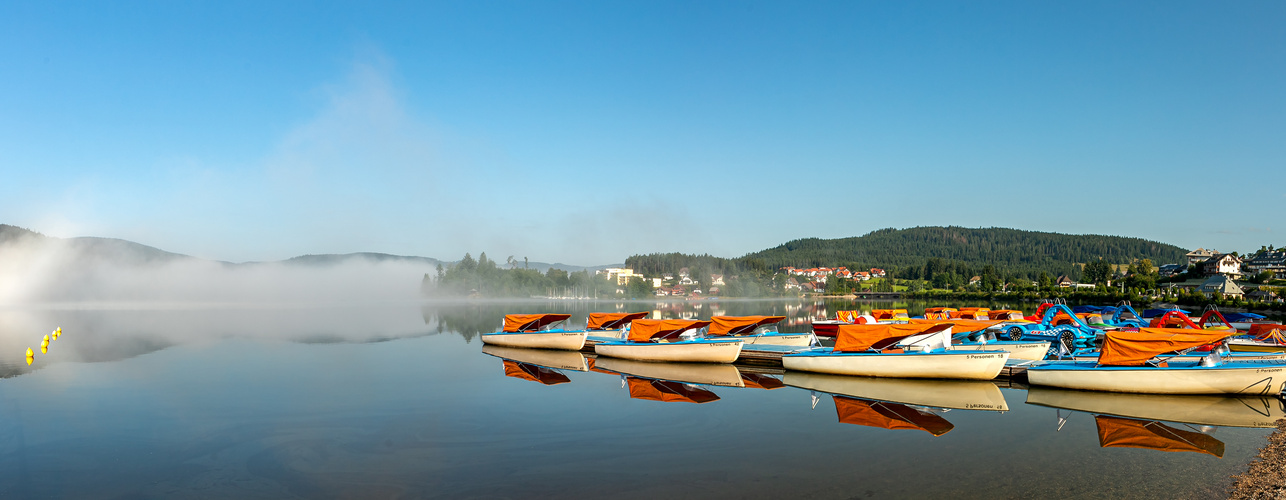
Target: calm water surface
pixel 398 400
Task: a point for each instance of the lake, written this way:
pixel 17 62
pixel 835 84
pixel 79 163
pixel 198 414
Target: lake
pixel 384 400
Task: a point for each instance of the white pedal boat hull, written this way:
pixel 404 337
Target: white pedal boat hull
pixel 966 365
pixel 1032 351
pixel 1264 378
pixel 687 351
pixel 571 341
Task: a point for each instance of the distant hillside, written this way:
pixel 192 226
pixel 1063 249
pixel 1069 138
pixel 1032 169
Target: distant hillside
pixel 1010 251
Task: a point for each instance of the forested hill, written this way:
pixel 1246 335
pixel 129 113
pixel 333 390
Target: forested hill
pixel 1009 251
pixel 1021 252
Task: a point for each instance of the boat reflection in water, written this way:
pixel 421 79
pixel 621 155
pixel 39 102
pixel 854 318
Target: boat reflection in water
pixel 1135 420
pixel 885 415
pixel 951 394
pixel 894 403
pixel 667 391
pixel 538 365
pixel 1222 411
pixel 1118 432
pixel 670 382
pixel 712 374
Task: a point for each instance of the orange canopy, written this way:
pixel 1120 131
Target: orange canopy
pixel 1004 314
pixel 669 392
pixel 857 338
pixel 883 314
pixel 734 325
pixel 964 325
pixel 1126 348
pixel 529 322
pixel 847 316
pixel 760 381
pixel 973 314
pixel 888 416
pixel 1265 330
pixel 1116 432
pixel 643 330
pixel 983 309
pixel 612 321
pixel 534 373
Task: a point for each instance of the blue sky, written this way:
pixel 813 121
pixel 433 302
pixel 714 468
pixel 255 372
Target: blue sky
pixel 584 132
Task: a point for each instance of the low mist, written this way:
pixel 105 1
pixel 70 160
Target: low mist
pixel 115 299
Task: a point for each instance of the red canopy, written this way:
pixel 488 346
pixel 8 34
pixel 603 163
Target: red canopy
pixel 1116 432
pixel 643 330
pixel 669 392
pixel 530 322
pixel 534 373
pixel 734 325
pixel 888 416
pixel 857 338
pixel 612 321
pixel 1126 348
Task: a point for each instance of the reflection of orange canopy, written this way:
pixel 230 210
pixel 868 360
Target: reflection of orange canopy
pixel 760 381
pixel 734 325
pixel 962 325
pixel 670 392
pixel 883 314
pixel 888 416
pixel 642 330
pixel 528 322
pixel 847 316
pixel 534 373
pixel 612 321
pixel 1116 432
pixel 857 338
pixel 1125 348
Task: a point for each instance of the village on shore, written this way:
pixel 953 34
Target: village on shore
pixel 1215 275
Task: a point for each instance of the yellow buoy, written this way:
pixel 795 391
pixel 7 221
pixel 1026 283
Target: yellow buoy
pixel 31 356
pixel 44 349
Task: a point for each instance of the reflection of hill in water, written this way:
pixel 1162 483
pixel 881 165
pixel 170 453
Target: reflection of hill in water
pixel 122 349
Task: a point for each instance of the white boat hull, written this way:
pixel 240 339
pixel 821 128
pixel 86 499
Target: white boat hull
pixel 1249 379
pixel 793 339
pixel 1032 351
pixel 679 352
pixel 953 365
pixel 571 341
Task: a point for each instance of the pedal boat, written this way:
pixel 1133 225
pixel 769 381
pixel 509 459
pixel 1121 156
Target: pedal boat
pixel 830 327
pixel 1147 361
pixel 758 330
pixel 536 331
pixel 898 350
pixel 610 325
pixel 976 335
pixel 1263 337
pixel 672 340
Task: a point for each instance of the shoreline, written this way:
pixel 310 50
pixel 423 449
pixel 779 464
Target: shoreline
pixel 1266 476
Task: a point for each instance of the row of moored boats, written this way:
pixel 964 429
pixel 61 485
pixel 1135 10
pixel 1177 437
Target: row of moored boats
pixel 1059 347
